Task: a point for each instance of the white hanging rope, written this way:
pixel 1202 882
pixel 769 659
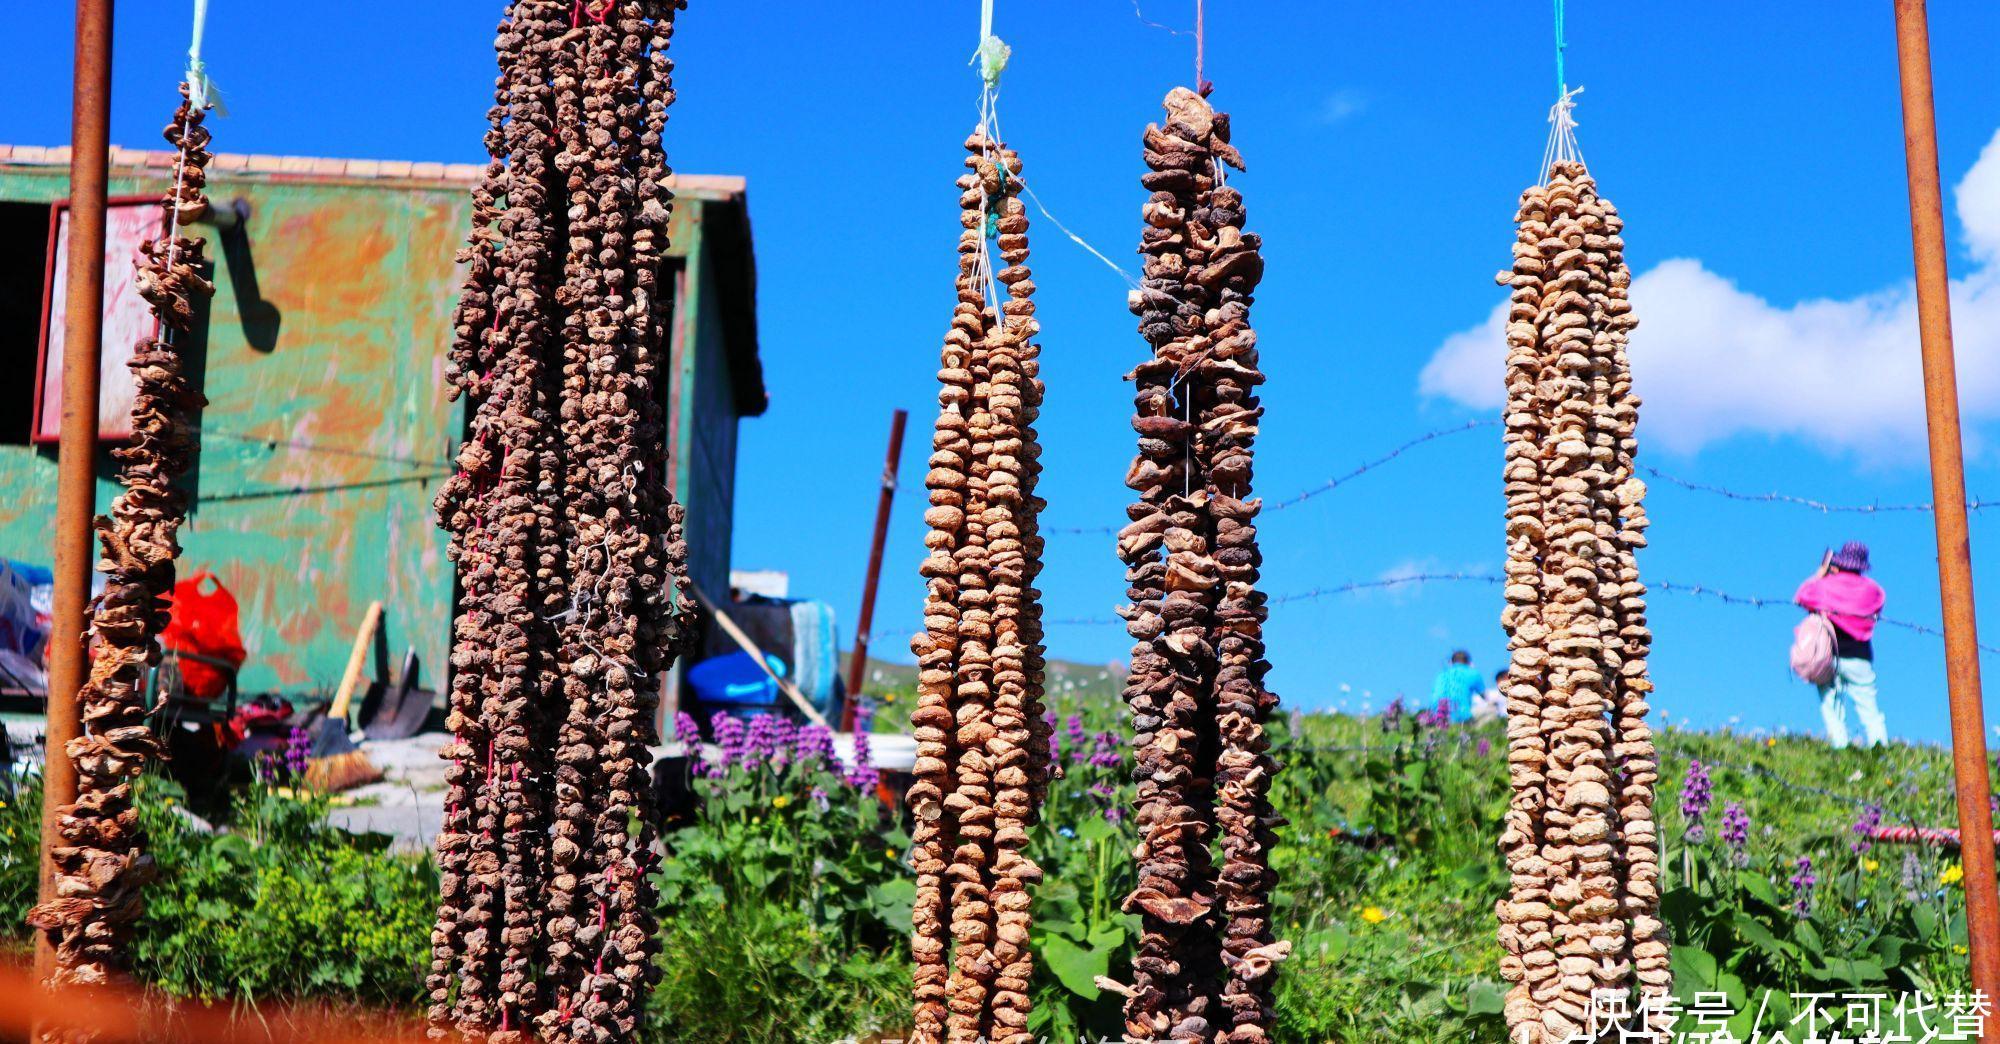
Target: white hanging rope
pixel 201 95
pixel 989 133
pixel 202 91
pixel 991 60
pixel 1562 146
pixel 1074 238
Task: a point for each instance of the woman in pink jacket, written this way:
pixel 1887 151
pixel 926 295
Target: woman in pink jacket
pixel 1853 603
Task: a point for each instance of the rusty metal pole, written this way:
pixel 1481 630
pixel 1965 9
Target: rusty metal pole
pixel 857 661
pixel 1968 723
pixel 76 461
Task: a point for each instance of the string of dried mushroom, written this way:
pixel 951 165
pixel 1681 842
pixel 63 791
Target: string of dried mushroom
pixel 1207 959
pixel 569 546
pixel 982 744
pixel 100 861
pixel 1579 835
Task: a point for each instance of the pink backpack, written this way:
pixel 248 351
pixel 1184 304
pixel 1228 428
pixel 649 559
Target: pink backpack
pixel 1813 649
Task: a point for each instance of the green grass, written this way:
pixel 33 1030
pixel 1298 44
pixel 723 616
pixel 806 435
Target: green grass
pixel 783 922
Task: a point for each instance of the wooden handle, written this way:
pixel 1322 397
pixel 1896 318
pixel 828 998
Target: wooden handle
pixel 355 659
pixel 736 635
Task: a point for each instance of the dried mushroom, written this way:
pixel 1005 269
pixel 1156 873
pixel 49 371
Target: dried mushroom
pixel 568 544
pixel 99 851
pixel 1207 957
pixel 1582 913
pixel 982 741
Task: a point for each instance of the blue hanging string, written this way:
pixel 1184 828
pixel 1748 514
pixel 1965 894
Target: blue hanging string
pixel 1562 44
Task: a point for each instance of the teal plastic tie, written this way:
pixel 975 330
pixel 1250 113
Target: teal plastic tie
pixel 1562 44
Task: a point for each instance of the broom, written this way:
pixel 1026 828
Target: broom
pixel 339 765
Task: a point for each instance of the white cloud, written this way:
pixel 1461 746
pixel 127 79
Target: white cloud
pixel 1713 361
pixel 1341 105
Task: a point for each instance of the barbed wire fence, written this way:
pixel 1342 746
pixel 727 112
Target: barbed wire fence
pixel 1975 504
pixel 1314 594
pixel 1330 484
pixel 1397 453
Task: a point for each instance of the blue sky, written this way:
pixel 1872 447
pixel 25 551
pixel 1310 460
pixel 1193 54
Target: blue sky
pixel 1755 154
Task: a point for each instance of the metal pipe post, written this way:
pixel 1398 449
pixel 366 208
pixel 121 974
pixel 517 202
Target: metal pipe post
pixel 857 662
pixel 1968 724
pixel 76 461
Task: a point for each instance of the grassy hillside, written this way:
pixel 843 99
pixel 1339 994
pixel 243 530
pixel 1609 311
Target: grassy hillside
pixel 786 902
pixel 1390 871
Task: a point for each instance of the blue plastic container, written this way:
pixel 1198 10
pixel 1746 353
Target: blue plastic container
pixel 734 684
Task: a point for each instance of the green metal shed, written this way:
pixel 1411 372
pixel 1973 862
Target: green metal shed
pixel 327 431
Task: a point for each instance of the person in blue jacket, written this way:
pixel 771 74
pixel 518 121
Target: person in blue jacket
pixel 1457 684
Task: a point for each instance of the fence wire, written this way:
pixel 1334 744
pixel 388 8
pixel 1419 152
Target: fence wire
pixel 1330 484
pixel 1327 591
pixel 1824 508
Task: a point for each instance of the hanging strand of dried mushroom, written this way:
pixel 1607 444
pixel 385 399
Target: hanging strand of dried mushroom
pixel 1634 758
pixel 100 860
pixel 569 547
pixel 1579 837
pixel 1207 958
pixel 982 750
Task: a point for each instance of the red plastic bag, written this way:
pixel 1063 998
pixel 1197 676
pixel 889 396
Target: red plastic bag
pixel 204 623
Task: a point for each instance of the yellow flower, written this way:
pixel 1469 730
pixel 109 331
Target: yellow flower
pixel 1374 915
pixel 1771 741
pixel 1960 950
pixel 1952 875
pixel 781 801
pixel 1870 865
pixel 891 853
pixel 888 697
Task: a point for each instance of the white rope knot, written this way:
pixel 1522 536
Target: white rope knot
pixel 1562 147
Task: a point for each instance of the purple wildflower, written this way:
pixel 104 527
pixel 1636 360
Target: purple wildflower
pixel 1484 747
pixel 686 731
pixel 1392 715
pixel 762 743
pixel 1864 829
pixel 819 799
pixel 729 739
pixel 1803 883
pixel 1736 832
pixel 863 775
pixel 1697 794
pixel 1115 814
pixel 1073 729
pixel 1104 751
pixel 814 749
pixel 298 747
